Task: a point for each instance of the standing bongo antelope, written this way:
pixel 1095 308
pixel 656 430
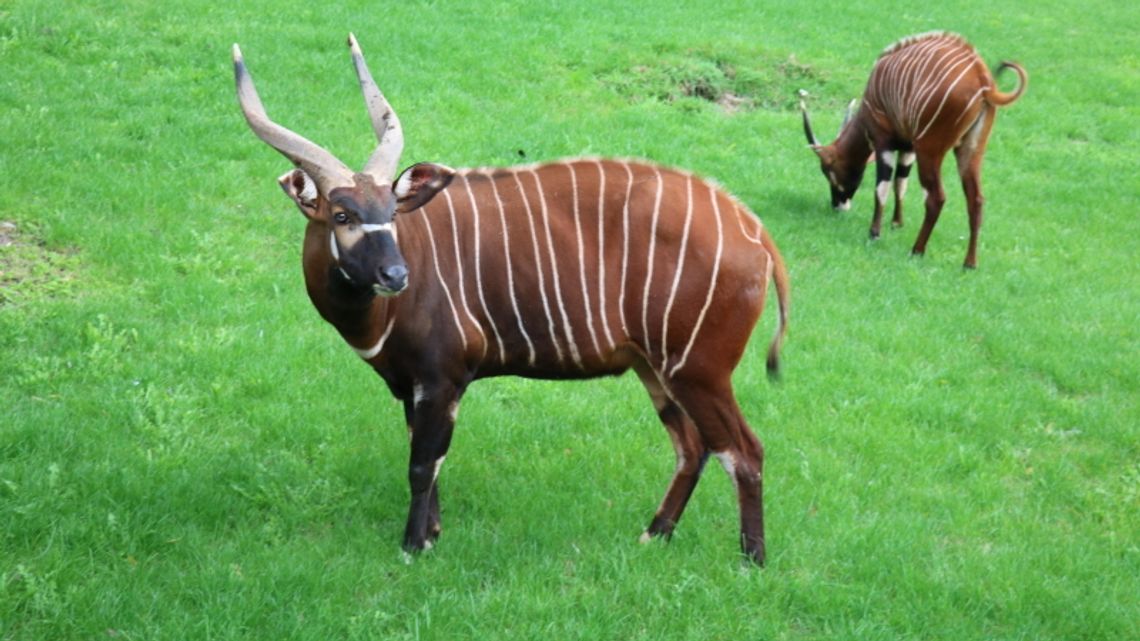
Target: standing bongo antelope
pixel 573 269
pixel 927 94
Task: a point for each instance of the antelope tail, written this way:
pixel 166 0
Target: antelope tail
pixel 783 289
pixel 1001 99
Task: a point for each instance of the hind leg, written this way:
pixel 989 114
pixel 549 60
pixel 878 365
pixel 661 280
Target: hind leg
pixel 712 406
pixel 930 175
pixel 691 456
pixel 969 157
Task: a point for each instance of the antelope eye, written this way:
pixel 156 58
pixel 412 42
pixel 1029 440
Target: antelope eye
pixel 340 217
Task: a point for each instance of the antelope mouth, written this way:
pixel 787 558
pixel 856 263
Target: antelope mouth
pixel 387 292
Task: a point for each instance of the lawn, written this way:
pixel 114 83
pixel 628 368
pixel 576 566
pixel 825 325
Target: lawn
pixel 187 451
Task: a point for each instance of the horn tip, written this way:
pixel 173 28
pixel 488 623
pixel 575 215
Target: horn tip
pixel 352 44
pixel 237 53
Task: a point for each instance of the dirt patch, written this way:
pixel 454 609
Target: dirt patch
pixel 29 270
pixel 7 233
pixel 734 82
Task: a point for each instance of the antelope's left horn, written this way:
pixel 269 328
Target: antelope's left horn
pixel 385 160
pixel 812 140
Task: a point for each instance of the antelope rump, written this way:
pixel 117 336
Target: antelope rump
pixel 582 268
pixel 927 94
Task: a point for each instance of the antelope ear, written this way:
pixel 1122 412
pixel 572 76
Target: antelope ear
pixel 419 184
pixel 297 185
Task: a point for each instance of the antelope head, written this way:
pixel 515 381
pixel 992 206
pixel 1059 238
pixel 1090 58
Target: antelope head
pixel 843 172
pixel 356 208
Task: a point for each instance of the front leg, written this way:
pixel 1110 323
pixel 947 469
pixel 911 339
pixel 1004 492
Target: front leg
pixel 432 421
pixel 906 161
pixel 884 168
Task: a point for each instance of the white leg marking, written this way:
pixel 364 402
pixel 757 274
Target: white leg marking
pixel 712 283
pixel 602 255
pixel 649 262
pixel 479 271
pixel 882 190
pixel 508 260
pixel 443 282
pixel 677 274
pixel 459 269
pixel 729 462
pixel 418 394
pixel 435 469
pixel 582 259
pixel 371 352
pixel 566 329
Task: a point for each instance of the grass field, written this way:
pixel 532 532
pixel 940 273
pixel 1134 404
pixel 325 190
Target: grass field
pixel 188 452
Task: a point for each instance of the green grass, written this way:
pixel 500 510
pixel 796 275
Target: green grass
pixel 188 452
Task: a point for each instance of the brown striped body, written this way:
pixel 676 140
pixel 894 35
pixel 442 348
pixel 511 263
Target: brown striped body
pixel 926 95
pixel 571 269
pixel 537 278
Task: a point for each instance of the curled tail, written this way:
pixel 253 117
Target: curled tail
pixel 1001 99
pixel 783 289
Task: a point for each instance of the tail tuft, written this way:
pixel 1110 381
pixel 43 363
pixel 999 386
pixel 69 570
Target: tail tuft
pixel 780 278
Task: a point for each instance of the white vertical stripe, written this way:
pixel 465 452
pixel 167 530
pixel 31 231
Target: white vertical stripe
pixel 712 284
pixel 459 271
pixel 442 281
pixel 538 269
pixel 945 94
pixel 744 216
pixel 582 259
pixel 935 87
pixel 677 274
pixel 917 60
pixel 478 233
pixel 973 99
pixel 508 261
pixel 649 263
pixel 934 55
pixel 625 247
pixel 602 311
pixel 566 329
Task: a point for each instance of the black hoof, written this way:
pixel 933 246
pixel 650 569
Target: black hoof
pixel 659 528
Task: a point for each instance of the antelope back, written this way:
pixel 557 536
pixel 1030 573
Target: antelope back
pixel 928 85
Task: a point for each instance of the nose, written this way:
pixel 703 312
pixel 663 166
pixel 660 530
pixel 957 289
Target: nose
pixel 394 277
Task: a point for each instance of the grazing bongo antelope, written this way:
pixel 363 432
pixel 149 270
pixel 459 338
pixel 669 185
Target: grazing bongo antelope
pixel 927 94
pixel 572 269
